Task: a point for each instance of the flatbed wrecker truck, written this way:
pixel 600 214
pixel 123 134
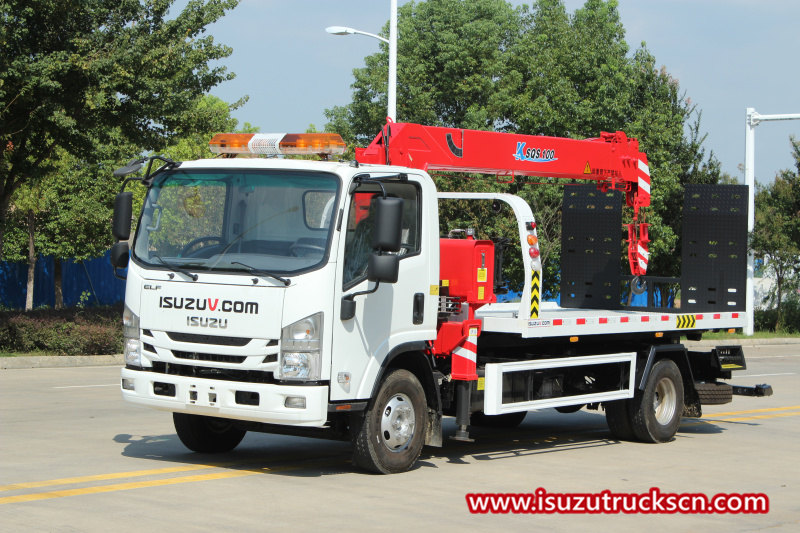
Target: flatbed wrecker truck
pixel 318 298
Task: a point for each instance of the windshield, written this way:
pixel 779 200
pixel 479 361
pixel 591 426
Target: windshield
pixel 278 222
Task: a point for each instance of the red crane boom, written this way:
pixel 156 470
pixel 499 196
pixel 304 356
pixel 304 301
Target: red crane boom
pixel 612 160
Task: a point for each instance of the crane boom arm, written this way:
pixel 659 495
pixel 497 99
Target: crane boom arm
pixel 612 160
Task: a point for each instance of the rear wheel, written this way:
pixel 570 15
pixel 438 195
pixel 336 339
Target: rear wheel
pixel 656 410
pixel 618 419
pixel 392 432
pixel 207 434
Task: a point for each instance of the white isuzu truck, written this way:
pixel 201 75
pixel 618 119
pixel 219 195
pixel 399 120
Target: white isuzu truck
pixel 324 298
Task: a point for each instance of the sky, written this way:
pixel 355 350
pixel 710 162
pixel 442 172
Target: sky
pixel 727 55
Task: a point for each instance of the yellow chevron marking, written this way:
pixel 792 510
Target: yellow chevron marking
pixel 535 294
pixel 685 321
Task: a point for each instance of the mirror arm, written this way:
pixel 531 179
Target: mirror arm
pixel 125 183
pixel 362 293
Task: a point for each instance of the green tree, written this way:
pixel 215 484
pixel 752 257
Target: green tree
pixel 538 70
pixel 67 213
pixel 75 73
pixel 776 235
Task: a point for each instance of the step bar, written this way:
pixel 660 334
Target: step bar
pixel 493 391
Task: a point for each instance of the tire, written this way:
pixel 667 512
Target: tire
pixel 507 421
pixel 567 409
pixel 206 434
pixel 618 419
pixel 656 411
pixel 393 429
pixel 714 393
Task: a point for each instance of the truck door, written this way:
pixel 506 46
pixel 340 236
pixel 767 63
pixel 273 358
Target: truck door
pixel 393 315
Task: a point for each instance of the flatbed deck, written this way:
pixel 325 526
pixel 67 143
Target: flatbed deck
pixel 555 321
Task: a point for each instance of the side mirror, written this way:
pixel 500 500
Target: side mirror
pixel 120 255
pixel 388 224
pixel 383 268
pixel 123 208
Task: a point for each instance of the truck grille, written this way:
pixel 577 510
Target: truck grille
pixel 228 374
pixel 207 339
pixel 212 357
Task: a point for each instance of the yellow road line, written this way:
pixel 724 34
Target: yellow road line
pixel 757 417
pixel 228 474
pixel 767 410
pixel 105 477
pixel 124 486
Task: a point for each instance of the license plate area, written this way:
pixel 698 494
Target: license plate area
pixel 202 395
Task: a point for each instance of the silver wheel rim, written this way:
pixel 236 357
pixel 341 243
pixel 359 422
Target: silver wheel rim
pixel 397 423
pixel 665 401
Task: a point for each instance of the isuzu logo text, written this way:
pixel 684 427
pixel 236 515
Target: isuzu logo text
pixel 203 322
pixel 208 304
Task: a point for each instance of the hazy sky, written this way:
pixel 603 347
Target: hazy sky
pixel 727 55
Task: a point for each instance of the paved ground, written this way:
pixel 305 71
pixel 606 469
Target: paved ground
pixel 73 457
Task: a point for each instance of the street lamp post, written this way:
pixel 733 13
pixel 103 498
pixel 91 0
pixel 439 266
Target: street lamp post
pixel 391 110
pixel 753 119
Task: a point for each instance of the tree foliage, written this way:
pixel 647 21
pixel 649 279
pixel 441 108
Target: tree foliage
pixel 76 74
pixel 481 64
pixel 776 235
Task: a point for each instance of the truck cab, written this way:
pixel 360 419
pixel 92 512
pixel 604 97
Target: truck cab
pixel 238 271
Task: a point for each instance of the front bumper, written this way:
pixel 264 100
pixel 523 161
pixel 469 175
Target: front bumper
pixel 219 398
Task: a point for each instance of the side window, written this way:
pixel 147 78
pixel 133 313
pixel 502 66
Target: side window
pixel 360 221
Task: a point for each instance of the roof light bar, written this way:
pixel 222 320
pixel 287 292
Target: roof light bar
pixel 277 143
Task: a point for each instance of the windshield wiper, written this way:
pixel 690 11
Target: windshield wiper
pixel 259 272
pixel 176 268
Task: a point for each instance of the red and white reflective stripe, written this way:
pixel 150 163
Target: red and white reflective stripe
pixel 642 256
pixel 468 351
pixel 465 358
pixel 644 182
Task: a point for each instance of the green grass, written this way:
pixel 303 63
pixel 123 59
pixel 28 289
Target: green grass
pixel 756 335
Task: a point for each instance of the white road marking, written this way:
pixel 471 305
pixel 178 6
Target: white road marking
pixel 86 386
pixel 765 375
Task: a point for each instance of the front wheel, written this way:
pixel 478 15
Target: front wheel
pixel 392 432
pixel 206 434
pixel 656 411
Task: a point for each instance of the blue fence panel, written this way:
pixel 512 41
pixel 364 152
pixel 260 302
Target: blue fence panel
pixel 93 277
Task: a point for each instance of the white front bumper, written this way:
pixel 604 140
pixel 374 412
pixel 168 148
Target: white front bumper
pixel 211 397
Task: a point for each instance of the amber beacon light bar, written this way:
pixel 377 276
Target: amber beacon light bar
pixel 277 143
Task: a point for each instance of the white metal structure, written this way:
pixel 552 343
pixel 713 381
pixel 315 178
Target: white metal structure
pixel 753 119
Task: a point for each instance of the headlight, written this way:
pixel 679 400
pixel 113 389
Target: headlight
pixel 130 330
pixel 300 350
pixel 300 365
pixel 130 324
pixel 133 352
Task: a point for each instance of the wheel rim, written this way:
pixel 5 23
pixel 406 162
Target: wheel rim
pixel 398 423
pixel 665 401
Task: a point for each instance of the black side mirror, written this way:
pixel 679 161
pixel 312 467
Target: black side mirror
pixel 388 224
pixel 120 255
pixel 123 208
pixel 383 268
